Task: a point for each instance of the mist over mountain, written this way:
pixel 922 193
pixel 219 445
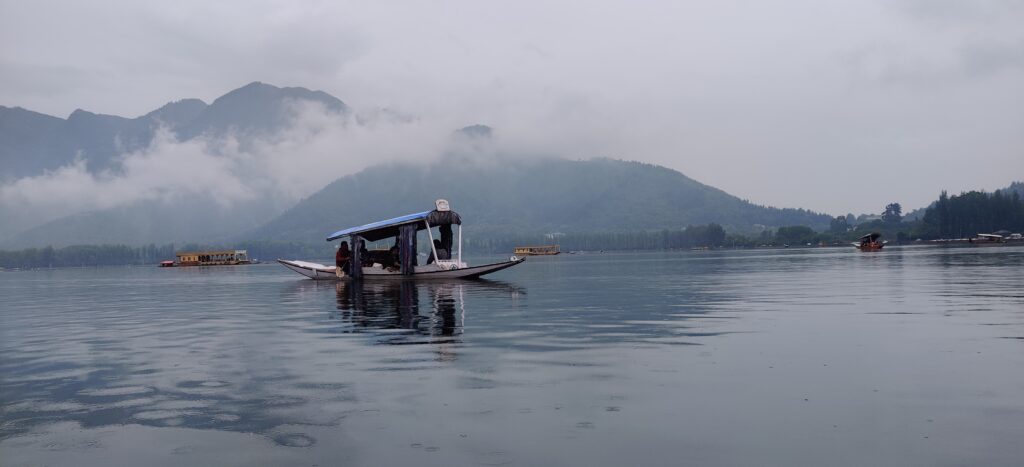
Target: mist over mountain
pixel 151 221
pixel 255 108
pixel 254 163
pixel 201 171
pixel 34 142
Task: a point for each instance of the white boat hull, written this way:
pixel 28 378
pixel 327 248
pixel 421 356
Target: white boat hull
pixel 317 271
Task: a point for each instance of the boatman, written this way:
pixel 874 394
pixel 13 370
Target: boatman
pixel 342 259
pixel 441 252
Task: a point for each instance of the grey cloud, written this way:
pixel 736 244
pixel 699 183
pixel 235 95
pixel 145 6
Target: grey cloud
pixel 740 95
pixel 972 60
pixel 956 11
pixel 991 58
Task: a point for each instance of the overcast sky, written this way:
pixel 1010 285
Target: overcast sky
pixel 832 106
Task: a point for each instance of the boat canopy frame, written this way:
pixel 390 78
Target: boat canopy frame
pixel 871 237
pixel 404 228
pixel 380 230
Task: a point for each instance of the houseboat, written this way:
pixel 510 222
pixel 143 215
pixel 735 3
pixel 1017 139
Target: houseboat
pixel 401 260
pixel 212 258
pixel 537 250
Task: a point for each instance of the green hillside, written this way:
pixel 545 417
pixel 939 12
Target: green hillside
pixel 529 196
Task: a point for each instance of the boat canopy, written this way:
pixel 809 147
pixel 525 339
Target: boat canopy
pixel 991 236
pixel 871 236
pixel 389 228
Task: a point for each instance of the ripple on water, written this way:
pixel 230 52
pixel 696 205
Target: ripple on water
pixel 226 417
pixel 282 401
pixel 44 406
pixel 117 391
pixel 203 384
pixel 295 440
pixel 161 414
pixel 131 403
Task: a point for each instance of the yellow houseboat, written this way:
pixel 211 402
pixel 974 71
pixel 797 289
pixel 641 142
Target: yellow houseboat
pixel 213 258
pixel 537 250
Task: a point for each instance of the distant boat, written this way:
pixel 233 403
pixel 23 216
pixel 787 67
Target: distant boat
pixel 537 250
pixel 404 264
pixel 988 240
pixel 213 258
pixel 870 242
pixel 167 264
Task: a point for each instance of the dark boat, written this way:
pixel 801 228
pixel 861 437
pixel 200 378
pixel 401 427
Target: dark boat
pixel 870 242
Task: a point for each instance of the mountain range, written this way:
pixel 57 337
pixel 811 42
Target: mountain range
pixel 510 193
pixel 31 142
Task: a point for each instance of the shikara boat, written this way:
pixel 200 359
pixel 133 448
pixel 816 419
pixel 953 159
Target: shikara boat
pixel 404 229
pixel 870 242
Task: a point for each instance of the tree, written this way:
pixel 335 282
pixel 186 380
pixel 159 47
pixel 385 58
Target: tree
pixel 893 213
pixel 839 225
pixel 715 235
pixel 795 235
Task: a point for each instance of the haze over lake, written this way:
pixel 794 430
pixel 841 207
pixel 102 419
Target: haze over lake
pixel 909 356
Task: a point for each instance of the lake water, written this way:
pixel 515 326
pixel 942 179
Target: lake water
pixel 908 356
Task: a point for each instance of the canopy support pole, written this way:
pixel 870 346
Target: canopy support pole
pixel 431 235
pixel 460 245
pixel 407 248
pixel 356 263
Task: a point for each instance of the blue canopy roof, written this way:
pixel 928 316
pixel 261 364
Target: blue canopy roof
pixel 380 229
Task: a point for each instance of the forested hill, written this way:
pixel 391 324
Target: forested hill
pixel 529 196
pixel 1014 187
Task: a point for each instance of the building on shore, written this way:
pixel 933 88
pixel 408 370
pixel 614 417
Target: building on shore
pixel 212 258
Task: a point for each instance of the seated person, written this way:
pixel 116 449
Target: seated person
pixel 364 254
pixel 441 252
pixel 342 260
pixel 393 261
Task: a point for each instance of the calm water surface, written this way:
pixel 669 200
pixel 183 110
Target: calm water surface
pixel 910 356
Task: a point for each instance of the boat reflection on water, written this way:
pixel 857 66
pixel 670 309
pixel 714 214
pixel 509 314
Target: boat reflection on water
pixel 428 312
pixel 397 305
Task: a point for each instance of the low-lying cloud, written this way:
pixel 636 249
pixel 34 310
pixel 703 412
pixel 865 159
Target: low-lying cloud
pixel 316 148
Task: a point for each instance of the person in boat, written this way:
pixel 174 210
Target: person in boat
pixel 394 261
pixel 364 254
pixel 343 260
pixel 441 252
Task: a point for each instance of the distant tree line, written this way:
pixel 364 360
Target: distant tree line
pixel 971 213
pixel 117 255
pixel 959 216
pixel 711 236
pixel 85 255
